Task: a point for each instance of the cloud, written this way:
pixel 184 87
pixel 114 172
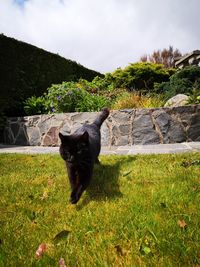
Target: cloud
pixel 106 34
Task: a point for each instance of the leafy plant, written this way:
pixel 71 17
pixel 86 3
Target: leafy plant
pixel 35 105
pixel 72 96
pixel 194 96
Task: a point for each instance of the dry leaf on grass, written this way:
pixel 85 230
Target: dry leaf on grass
pixel 62 263
pixel 182 224
pixel 41 249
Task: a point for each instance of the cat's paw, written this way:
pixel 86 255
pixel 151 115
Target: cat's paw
pixel 73 200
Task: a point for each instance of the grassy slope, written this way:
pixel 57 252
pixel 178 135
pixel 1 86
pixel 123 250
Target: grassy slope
pixel 128 217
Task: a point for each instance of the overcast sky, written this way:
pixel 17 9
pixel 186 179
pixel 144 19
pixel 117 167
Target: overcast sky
pixel 103 34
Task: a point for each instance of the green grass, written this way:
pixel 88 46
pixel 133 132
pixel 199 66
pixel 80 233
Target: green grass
pixel 128 216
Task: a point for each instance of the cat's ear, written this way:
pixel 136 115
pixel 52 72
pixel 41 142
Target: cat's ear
pixel 85 137
pixel 63 138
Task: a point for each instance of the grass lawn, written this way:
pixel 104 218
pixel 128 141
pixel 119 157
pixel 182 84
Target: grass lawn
pixel 138 211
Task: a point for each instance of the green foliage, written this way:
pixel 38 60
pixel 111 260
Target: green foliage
pixel 28 71
pixel 127 217
pixel 140 76
pixel 78 96
pixel 67 97
pixel 194 96
pixel 182 82
pixel 34 105
pixel 63 97
pixel 102 86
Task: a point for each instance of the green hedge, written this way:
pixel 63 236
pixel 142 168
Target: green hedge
pixel 26 71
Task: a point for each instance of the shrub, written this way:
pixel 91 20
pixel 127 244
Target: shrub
pixel 141 76
pixel 35 105
pixel 70 97
pixel 65 97
pixel 102 87
pixel 182 82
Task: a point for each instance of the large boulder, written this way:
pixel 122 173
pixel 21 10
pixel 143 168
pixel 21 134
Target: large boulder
pixel 177 100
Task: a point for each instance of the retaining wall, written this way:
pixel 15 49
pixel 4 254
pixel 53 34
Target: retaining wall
pixel 124 127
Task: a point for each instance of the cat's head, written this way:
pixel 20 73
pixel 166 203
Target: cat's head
pixel 74 147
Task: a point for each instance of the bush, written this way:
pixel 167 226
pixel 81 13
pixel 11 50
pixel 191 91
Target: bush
pixel 182 82
pixel 66 97
pixel 70 97
pixel 141 76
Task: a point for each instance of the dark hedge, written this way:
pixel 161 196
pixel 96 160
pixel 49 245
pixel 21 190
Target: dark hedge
pixel 26 70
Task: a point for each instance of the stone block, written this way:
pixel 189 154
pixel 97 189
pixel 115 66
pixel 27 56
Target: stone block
pixel 14 127
pixel 121 116
pixel 34 136
pixel 143 130
pixel 66 129
pixel 22 138
pixel 162 120
pixel 175 134
pixel 33 121
pixel 83 117
pixel 51 138
pixel 44 124
pixel 194 129
pixel 8 136
pixel 145 136
pixel 105 135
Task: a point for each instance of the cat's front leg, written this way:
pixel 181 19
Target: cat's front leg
pixel 84 181
pixel 74 183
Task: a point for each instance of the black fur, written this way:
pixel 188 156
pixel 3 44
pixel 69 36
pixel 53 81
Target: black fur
pixel 80 151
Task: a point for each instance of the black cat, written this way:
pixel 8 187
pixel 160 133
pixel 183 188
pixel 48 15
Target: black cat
pixel 80 151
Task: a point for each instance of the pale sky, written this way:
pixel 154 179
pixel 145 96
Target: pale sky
pixel 103 34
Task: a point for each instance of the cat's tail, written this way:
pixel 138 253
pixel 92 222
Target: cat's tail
pixel 101 117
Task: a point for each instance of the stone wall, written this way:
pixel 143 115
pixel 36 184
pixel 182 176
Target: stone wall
pixel 124 127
